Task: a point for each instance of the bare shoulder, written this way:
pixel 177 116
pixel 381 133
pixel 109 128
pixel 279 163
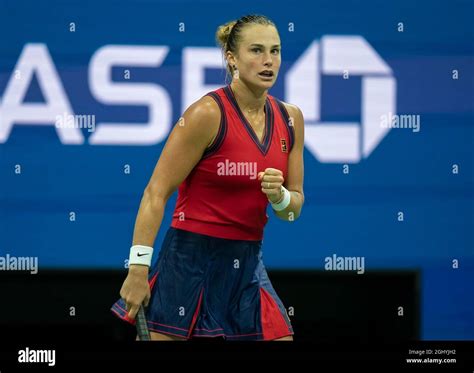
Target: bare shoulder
pixel 205 110
pixel 204 117
pixel 293 111
pixel 296 119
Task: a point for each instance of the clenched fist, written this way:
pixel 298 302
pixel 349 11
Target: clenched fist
pixel 272 181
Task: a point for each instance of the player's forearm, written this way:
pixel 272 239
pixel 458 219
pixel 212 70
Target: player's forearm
pixel 149 218
pixel 293 210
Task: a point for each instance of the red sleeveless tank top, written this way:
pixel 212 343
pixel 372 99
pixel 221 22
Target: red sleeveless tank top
pixel 222 197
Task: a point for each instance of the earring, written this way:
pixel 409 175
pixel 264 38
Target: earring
pixel 236 72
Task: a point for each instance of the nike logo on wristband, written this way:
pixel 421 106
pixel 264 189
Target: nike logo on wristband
pixel 138 254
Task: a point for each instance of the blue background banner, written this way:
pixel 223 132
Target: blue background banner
pixel 401 198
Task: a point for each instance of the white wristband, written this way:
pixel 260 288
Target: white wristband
pixel 283 204
pixel 140 255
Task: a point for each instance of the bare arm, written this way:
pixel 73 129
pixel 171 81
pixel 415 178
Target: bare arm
pixel 294 181
pixel 182 151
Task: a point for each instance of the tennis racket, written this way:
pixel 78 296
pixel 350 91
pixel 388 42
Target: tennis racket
pixel 141 324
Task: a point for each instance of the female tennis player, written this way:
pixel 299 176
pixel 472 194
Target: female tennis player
pixel 233 152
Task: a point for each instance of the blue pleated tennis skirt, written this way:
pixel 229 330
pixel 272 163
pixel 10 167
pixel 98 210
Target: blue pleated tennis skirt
pixel 203 286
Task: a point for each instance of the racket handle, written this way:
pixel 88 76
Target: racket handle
pixel 142 326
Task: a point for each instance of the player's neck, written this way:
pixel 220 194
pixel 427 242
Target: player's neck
pixel 249 101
